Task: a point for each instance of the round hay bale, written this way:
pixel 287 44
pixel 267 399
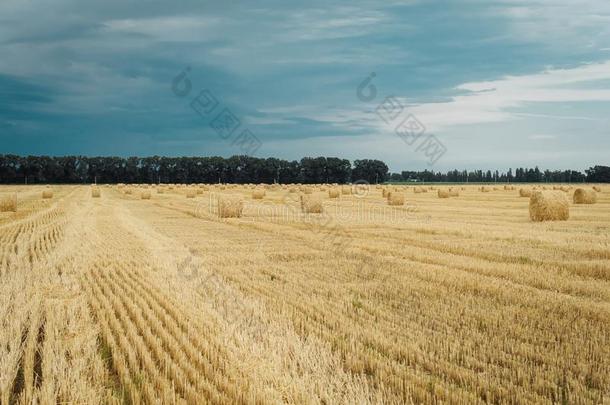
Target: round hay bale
pixel 334 193
pixel 8 203
pixel 418 190
pixel 549 206
pixel 485 189
pixel 258 194
pixel 582 196
pixel 47 194
pixel 454 193
pixel 523 192
pixel 145 195
pixel 443 194
pixel 598 189
pixel 95 192
pixel 190 193
pixel 311 204
pixel 346 190
pixel 396 198
pixel 128 190
pixel 230 207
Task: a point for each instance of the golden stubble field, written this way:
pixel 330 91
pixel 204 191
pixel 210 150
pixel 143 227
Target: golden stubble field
pixel 145 295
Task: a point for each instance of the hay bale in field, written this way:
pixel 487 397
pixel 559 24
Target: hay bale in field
pixel 418 190
pixel 47 194
pixel 128 190
pixel 334 193
pixel 8 203
pixel 258 194
pixel 443 194
pixel 160 190
pixel 190 193
pixel 307 190
pixel 384 192
pixel 598 189
pixel 523 192
pixel 292 190
pixel 549 206
pixel 95 192
pixel 311 204
pixel 346 190
pixel 485 189
pixel 582 196
pixel 230 207
pixel 198 191
pixel 565 189
pixel 145 195
pixel 396 198
pixel 454 193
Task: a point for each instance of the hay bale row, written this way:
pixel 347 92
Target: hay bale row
pixel 549 206
pixel 8 203
pixel 582 196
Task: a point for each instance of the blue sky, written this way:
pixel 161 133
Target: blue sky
pixel 499 83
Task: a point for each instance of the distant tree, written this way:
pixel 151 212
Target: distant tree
pixel 372 171
pixel 598 174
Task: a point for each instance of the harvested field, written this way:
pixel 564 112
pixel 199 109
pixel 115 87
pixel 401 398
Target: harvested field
pixel 165 300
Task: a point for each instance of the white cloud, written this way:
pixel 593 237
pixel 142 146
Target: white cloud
pixel 499 100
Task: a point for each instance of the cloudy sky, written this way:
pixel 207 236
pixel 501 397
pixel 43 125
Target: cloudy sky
pixel 498 83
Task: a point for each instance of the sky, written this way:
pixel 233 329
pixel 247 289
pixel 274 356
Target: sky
pixel 489 84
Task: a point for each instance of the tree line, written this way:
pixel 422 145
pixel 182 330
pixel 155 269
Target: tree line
pixel 158 169
pixel 245 169
pixel 597 174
